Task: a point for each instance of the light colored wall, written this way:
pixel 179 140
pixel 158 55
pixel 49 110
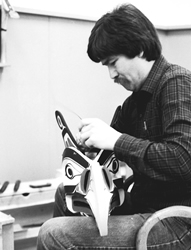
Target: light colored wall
pixel 177 46
pixel 49 69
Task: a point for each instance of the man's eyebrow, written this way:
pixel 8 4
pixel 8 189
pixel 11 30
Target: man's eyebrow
pixel 105 61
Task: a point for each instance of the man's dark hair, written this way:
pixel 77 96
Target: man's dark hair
pixel 125 30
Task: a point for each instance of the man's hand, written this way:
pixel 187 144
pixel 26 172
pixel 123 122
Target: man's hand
pixel 97 134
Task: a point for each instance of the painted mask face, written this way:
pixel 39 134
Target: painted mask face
pixel 91 186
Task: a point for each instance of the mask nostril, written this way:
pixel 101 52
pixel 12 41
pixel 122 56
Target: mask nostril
pixel 84 181
pixel 107 177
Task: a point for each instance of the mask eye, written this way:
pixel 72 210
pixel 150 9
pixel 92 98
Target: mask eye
pixel 85 180
pixel 112 164
pixel 68 171
pixel 115 166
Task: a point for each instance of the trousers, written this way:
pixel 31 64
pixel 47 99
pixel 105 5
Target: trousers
pixel 72 231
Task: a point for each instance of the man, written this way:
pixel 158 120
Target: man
pixel 151 133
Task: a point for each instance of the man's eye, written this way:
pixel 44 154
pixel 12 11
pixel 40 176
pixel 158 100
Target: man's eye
pixel 112 63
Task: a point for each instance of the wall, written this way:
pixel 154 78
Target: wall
pixel 48 70
pixel 178 46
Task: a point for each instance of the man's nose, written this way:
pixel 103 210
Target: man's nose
pixel 112 72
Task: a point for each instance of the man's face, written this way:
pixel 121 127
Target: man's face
pixel 130 73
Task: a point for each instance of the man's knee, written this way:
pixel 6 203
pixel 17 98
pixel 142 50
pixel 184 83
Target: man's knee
pixel 53 235
pixel 46 234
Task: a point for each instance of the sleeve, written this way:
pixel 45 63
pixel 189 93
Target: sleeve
pixel 170 159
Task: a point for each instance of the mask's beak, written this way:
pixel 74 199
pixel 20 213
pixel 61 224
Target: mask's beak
pixel 98 195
